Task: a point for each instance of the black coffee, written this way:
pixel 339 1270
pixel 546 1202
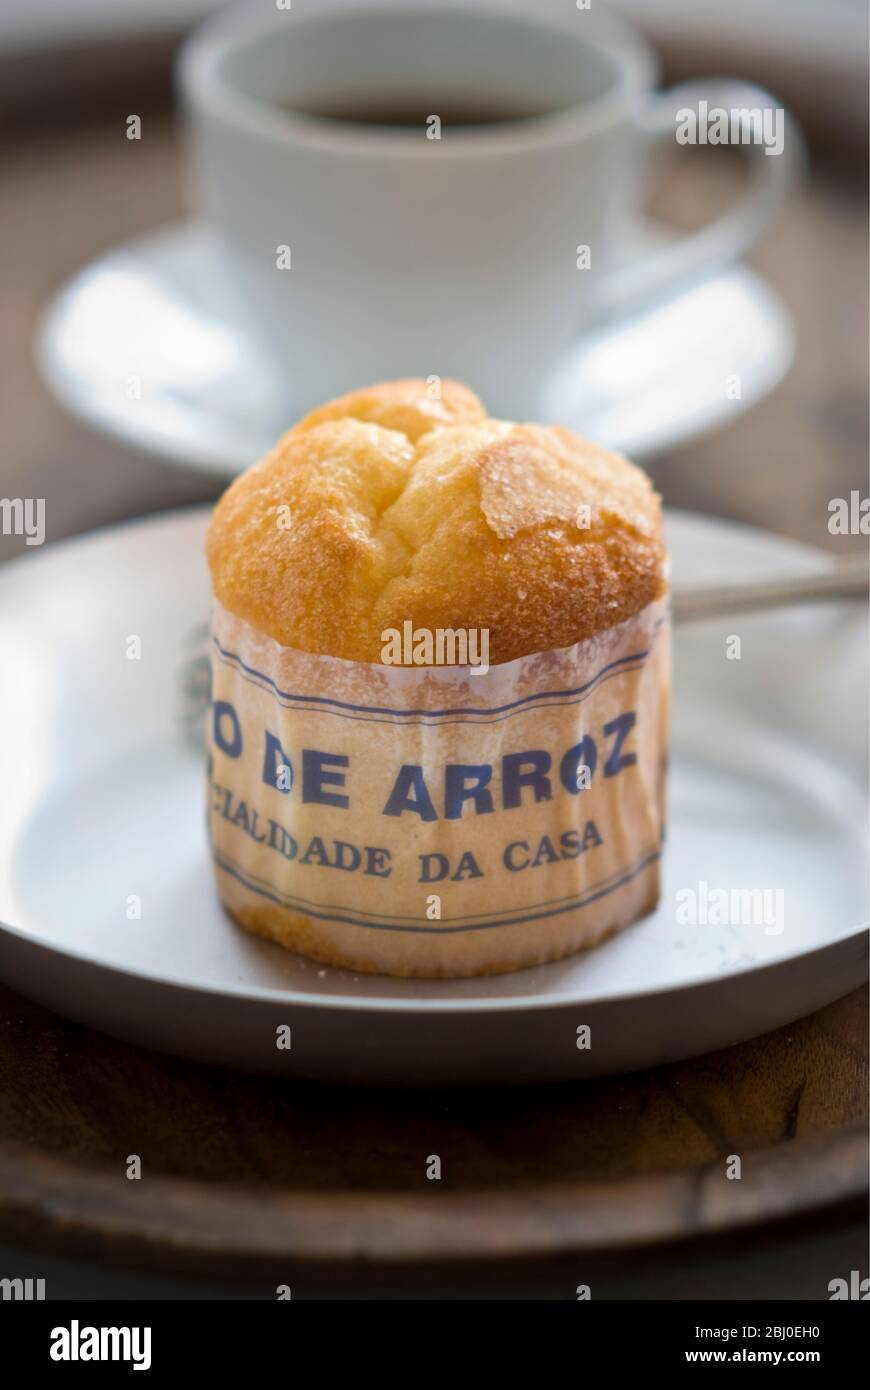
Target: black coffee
pixel 414 113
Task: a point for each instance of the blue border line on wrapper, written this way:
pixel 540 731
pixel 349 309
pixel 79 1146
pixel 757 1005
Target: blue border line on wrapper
pixel 593 894
pixel 342 708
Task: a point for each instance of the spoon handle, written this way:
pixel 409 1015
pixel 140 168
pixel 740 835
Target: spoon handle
pixel 847 579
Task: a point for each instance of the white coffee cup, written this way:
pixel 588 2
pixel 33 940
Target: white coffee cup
pixel 362 251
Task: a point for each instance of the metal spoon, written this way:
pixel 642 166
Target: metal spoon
pixel 848 578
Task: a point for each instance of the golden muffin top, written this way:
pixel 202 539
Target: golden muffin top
pixel 388 505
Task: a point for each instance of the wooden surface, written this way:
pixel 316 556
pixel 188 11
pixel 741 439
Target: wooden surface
pixel 241 1175
pixel 243 1178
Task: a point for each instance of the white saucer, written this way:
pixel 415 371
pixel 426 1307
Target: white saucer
pixel 211 401
pixel 103 797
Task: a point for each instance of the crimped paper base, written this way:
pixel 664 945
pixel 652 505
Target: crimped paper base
pixel 554 873
pixel 440 959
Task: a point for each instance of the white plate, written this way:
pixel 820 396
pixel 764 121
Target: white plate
pixel 103 797
pixel 210 400
pixel 57 24
pixel 833 39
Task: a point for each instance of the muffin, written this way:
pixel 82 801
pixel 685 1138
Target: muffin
pixel 441 672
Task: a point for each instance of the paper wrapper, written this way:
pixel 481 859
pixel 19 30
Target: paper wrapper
pixel 430 821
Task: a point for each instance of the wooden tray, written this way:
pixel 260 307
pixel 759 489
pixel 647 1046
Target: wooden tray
pixel 248 1179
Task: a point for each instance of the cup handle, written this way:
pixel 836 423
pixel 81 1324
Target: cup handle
pixel 695 256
